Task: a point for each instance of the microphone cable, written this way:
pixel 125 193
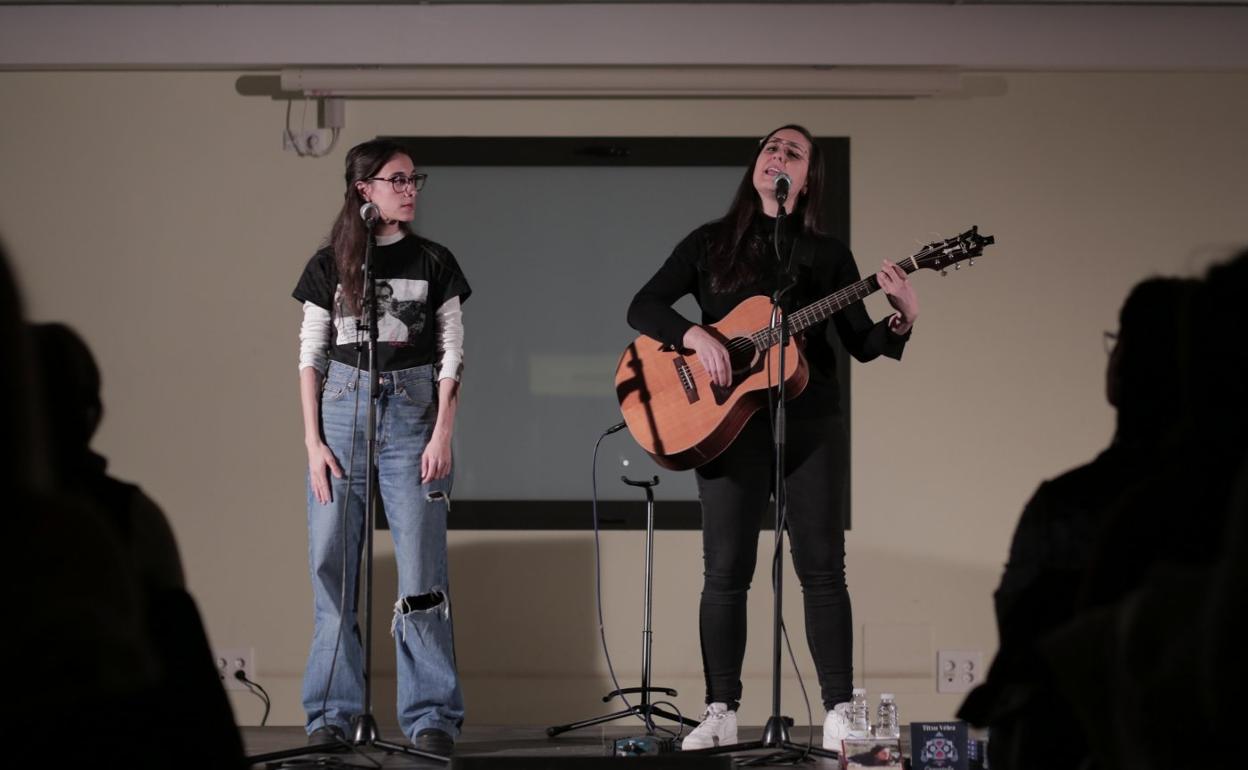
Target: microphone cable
pixel 602 627
pixel 342 517
pixel 781 494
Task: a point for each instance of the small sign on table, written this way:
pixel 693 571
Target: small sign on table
pixel 859 753
pixel 938 746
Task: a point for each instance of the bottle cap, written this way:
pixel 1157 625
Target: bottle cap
pixel 860 691
pixel 886 696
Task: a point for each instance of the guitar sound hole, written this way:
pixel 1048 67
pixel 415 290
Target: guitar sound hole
pixel 742 355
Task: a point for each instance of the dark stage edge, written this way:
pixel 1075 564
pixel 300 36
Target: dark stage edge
pixel 510 742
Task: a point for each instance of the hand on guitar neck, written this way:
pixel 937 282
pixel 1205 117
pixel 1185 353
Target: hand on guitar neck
pixel 711 353
pixel 892 280
pixel 901 296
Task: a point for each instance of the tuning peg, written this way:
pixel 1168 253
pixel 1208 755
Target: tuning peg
pixel 970 262
pixel 943 272
pixel 957 266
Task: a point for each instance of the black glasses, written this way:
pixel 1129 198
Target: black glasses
pixel 400 182
pixel 1110 340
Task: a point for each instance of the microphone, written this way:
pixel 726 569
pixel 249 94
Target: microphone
pixel 370 213
pixel 783 183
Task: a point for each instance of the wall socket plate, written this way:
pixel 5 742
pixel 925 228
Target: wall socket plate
pixel 959 670
pixel 307 142
pixel 230 660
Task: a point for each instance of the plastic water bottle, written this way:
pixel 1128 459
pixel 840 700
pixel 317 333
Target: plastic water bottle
pixel 859 717
pixel 886 724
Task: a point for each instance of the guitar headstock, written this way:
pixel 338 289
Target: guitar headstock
pixel 953 251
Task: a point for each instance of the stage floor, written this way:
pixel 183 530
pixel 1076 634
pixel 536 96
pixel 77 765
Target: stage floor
pixel 493 742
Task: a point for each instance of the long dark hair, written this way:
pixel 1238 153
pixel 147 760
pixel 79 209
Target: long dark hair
pixel 348 235
pixel 736 259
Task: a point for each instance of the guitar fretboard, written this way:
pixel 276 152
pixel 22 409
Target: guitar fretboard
pixel 827 307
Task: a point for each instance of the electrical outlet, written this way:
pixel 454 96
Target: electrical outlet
pixel 230 661
pixel 959 670
pixel 307 142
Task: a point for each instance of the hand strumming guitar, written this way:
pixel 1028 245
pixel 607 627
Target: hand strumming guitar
pixel 711 352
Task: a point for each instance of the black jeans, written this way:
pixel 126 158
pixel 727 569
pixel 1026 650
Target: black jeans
pixel 734 489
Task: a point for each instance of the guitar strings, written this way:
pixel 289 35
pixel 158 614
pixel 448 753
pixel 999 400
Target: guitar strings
pixel 764 339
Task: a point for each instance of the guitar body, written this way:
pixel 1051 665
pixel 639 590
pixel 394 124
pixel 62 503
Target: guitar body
pixel 668 402
pixel 672 409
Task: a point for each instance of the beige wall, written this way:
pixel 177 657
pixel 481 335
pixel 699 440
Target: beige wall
pixel 157 214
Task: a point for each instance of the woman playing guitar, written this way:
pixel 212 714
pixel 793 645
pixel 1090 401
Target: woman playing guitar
pixel 721 264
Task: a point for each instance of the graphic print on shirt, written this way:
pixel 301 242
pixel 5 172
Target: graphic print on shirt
pixel 401 315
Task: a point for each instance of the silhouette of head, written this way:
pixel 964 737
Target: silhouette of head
pixel 1220 358
pixel 1148 369
pixel 70 383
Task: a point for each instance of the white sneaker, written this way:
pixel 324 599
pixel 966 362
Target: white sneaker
pixel 718 728
pixel 836 727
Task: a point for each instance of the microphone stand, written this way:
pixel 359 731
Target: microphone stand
pixel 364 730
pixel 645 709
pixel 776 731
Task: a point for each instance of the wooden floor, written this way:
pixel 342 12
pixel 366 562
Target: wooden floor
pixel 483 742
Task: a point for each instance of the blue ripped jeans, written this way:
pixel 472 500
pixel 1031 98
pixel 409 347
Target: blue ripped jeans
pixel 428 685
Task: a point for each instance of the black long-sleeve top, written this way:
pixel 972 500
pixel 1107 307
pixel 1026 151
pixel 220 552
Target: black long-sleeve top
pixel 822 265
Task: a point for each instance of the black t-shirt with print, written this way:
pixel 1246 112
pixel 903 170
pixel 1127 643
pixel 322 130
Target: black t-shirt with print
pixel 414 277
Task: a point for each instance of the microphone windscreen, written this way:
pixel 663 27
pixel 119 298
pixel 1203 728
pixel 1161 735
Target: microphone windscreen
pixel 783 183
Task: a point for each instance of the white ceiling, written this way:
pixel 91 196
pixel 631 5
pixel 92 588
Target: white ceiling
pixel 965 36
pixel 630 2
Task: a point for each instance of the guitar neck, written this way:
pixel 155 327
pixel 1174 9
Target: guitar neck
pixel 828 306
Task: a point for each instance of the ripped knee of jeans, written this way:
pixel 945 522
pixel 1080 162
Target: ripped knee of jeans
pixel 432 604
pixel 421 603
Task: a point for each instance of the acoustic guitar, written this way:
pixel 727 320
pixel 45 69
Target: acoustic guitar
pixel 683 421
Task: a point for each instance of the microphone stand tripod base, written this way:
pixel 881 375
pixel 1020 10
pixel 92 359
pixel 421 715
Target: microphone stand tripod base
pixel 645 709
pixel 776 732
pixel 776 738
pixel 365 733
pixel 364 730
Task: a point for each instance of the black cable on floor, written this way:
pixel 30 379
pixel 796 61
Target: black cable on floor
pixel 602 628
pixel 258 691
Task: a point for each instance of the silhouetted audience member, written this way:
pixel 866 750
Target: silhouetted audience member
pixel 1154 665
pixel 1179 516
pixel 1223 665
pixel 70 384
pixel 77 647
pixel 113 668
pixel 1058 533
pixel 188 706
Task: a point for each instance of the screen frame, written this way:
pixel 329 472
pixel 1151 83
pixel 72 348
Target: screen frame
pixel 619 152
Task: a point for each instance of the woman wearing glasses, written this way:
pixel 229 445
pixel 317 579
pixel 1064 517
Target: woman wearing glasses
pixel 721 264
pixel 418 290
